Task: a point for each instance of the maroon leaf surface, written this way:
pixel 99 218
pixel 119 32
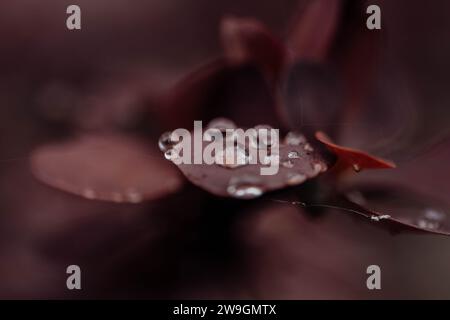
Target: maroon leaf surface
pixel 392 204
pixel 109 167
pixel 357 56
pixel 298 161
pixel 247 40
pixel 190 98
pixel 313 30
pixel 217 89
pixel 312 98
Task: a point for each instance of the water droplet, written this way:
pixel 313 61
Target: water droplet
pixel 89 193
pixel 270 159
pixel 169 154
pixel 356 167
pixel 263 139
pixel 134 196
pixel 295 178
pixel 379 218
pixel 294 139
pixel 287 164
pixel 232 157
pixel 244 189
pixel 431 219
pixel 165 143
pixel 308 148
pixel 222 124
pixel 433 214
pixel 426 224
pixel 293 155
pixel 318 167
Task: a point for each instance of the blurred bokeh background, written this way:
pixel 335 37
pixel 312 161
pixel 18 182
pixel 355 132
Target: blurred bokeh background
pixel 112 75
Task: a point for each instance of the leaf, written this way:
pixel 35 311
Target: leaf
pixel 247 40
pixel 386 123
pixel 424 174
pixel 313 31
pixel 357 57
pixel 395 119
pixel 400 205
pixel 355 159
pixel 312 97
pixel 297 163
pixel 108 167
pixel 191 97
pixel 219 90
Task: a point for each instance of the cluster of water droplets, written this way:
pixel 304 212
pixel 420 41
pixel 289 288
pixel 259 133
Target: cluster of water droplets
pixel 431 219
pixel 234 155
pixel 245 187
pixel 292 139
pixel 130 195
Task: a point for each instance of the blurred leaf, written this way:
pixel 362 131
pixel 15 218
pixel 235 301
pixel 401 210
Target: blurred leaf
pixel 312 97
pixel 247 40
pixel 219 90
pixel 313 31
pixel 109 167
pixel 399 205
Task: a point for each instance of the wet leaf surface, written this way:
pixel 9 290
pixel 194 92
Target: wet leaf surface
pixel 394 204
pixel 106 167
pixel 298 162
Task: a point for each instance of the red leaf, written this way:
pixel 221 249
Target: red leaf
pixel 189 98
pixel 356 159
pixel 357 57
pixel 298 162
pixel 219 90
pixel 426 173
pixel 395 205
pixel 313 32
pixel 312 98
pixel 109 168
pixel 247 40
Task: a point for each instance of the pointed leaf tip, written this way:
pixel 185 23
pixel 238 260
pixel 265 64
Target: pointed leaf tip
pixel 356 159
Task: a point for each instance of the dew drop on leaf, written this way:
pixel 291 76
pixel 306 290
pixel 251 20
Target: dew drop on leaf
pixel 243 188
pixel 294 138
pixel 293 155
